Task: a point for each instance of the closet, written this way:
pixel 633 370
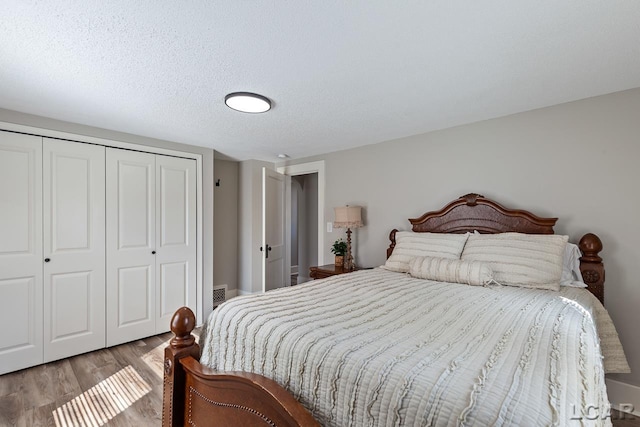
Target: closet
pixel 97 246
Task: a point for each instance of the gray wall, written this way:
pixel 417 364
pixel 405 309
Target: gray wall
pixel 207 175
pixel 577 161
pixel 225 224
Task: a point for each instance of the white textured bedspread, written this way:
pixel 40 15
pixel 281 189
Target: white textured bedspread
pixel 378 348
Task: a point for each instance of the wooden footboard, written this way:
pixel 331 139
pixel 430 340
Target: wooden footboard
pixel 194 395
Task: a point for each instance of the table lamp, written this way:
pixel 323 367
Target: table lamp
pixel 348 217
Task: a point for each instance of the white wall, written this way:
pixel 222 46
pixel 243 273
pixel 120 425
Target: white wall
pixel 207 176
pixel 578 161
pixel 225 221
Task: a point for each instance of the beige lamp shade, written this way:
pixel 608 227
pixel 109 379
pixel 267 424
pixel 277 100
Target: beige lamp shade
pixel 348 217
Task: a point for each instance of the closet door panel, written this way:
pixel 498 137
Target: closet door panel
pixel 20 251
pixel 134 305
pixel 174 282
pixel 71 305
pixel 74 243
pixel 131 241
pixel 176 231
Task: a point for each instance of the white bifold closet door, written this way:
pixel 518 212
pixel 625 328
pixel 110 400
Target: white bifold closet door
pixel 151 242
pixel 20 251
pixel 176 237
pixel 131 243
pixel 74 248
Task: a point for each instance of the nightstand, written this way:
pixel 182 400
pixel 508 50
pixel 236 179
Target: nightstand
pixel 327 271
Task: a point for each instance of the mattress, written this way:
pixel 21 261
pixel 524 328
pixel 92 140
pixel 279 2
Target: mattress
pixel 380 348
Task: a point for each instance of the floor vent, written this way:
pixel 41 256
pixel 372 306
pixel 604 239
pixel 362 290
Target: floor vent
pixel 219 295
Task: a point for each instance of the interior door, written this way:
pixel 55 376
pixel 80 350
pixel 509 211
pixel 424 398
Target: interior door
pixel 20 251
pixel 176 237
pixel 131 245
pixel 74 248
pixel 275 232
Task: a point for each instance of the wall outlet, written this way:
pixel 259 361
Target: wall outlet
pixel 329 227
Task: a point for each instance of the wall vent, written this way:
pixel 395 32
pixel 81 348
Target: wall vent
pixel 219 295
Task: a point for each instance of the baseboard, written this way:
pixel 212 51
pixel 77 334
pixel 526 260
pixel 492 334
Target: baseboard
pixel 243 293
pixel 624 397
pixel 232 293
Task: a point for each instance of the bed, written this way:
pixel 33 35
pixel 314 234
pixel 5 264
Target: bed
pixel 383 347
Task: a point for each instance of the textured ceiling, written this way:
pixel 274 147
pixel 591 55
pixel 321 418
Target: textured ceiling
pixel 341 74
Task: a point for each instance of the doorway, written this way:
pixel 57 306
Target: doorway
pixel 304 226
pixel 317 256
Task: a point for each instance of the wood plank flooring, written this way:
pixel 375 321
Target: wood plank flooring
pixel 118 386
pixel 91 389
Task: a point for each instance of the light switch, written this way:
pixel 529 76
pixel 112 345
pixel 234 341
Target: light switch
pixel 329 227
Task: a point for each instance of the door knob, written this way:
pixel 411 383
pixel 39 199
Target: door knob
pixel 267 251
pixel 153 252
pixel 47 259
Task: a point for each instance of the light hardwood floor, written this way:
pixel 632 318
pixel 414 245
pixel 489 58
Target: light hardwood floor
pixel 118 386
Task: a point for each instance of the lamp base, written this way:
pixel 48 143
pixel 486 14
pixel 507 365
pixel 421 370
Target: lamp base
pixel 349 264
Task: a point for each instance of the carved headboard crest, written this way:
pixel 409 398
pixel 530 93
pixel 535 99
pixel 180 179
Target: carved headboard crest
pixel 474 212
pixel 471 198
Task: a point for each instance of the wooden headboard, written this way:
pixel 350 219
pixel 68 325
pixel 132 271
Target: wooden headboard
pixel 474 212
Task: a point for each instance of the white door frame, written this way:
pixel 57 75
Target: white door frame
pixel 304 169
pixel 32 130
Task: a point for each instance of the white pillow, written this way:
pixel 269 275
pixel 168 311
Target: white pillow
pixel 571 274
pixel 410 245
pixel 527 260
pixel 451 270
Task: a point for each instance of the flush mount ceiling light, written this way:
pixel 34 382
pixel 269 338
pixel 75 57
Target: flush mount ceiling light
pixel 247 102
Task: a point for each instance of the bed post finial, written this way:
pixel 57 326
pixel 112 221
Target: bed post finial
pixel 591 265
pixel 183 323
pixel 591 245
pixel 182 345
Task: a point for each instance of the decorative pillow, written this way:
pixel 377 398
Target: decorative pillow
pixel 527 260
pixel 571 275
pixel 451 270
pixel 410 245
